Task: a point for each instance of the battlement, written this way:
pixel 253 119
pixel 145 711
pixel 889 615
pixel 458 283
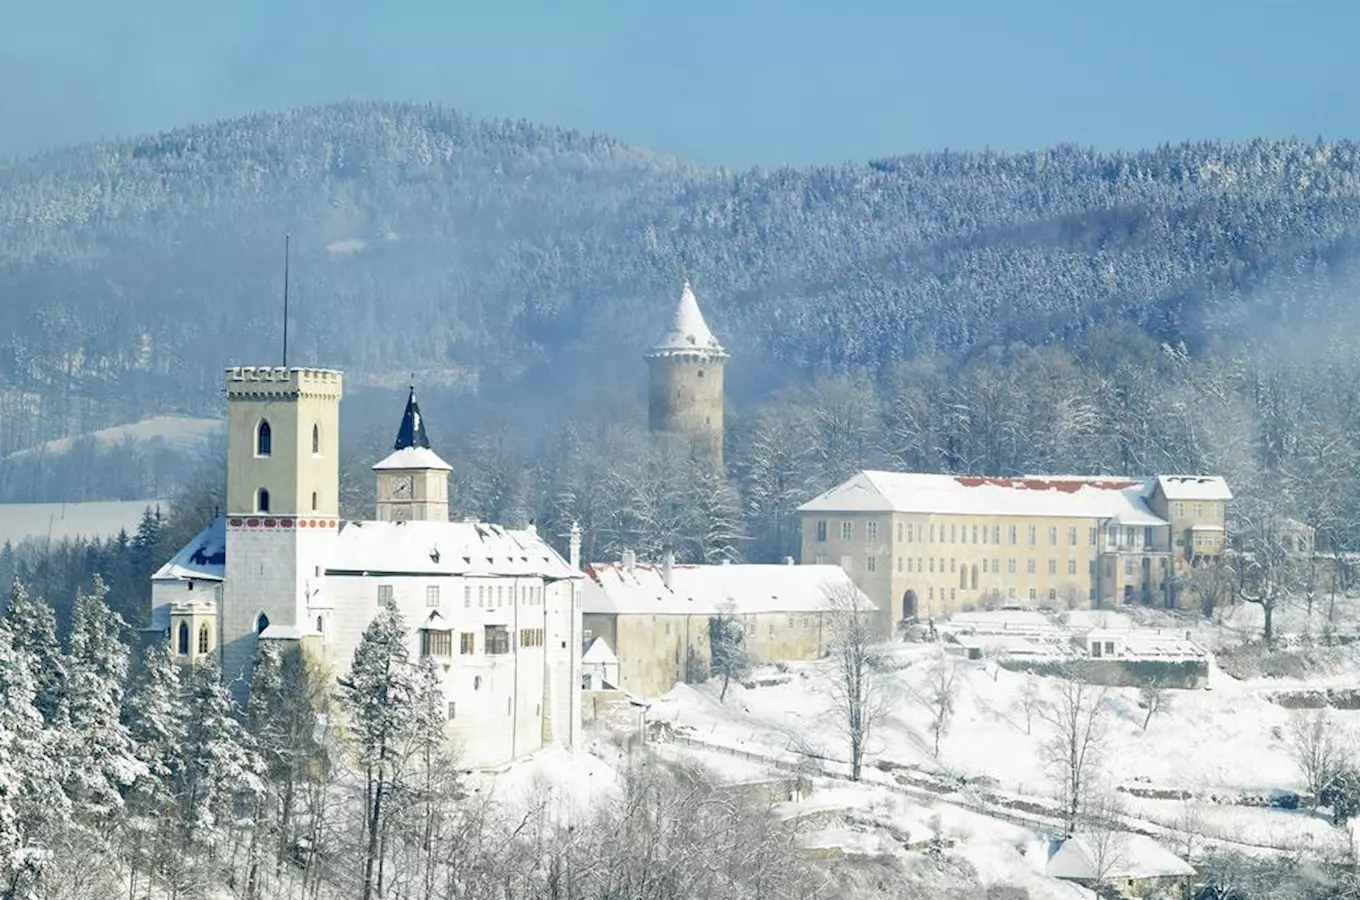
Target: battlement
pixel 277 381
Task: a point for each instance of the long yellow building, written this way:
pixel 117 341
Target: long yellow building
pixel 926 546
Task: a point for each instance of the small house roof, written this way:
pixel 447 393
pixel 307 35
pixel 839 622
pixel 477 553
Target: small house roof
pixel 1194 487
pixel 1086 856
pixel 202 559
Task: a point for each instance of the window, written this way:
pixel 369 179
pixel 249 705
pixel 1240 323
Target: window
pixel 320 625
pixel 932 534
pixel 951 564
pixel 182 639
pixel 316 440
pixel 1012 535
pixel 1052 594
pixel 476 682
pixel 467 643
pixel 1010 592
pixel 1033 594
pixel 432 595
pixel 497 640
pixel 996 534
pixel 203 638
pixel 930 593
pixel 932 564
pixel 385 596
pixel 820 559
pixel 953 534
pixel 821 530
pixel 1053 567
pixel 1010 565
pixel 1094 532
pixel 467 596
pixel 1072 535
pixel 871 530
pixel 1053 535
pixel 963 577
pixel 500 595
pixel 847 530
pixel 899 532
pixel 481 595
pixel 451 710
pixel 845 563
pixel 952 595
pixel 313 501
pixel 975 540
pixel 1147 537
pixel 1109 648
pixel 1029 567
pixel 1071 567
pixel 531 637
pixel 264 439
pixel 909 567
pixel 436 643
pixel 262 500
pixel 1032 535
pixel 1178 509
pixel 1128 566
pixel 974 585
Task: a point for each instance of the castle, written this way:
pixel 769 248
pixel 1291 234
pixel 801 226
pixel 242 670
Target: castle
pixel 497 608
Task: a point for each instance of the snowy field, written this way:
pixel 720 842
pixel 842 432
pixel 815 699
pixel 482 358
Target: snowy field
pixel 180 433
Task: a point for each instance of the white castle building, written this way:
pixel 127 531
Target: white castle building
pixel 497 608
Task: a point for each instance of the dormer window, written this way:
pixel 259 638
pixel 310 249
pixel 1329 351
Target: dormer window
pixel 264 439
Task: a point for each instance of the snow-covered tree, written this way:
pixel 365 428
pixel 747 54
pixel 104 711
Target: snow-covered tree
pixel 218 763
pixel 34 630
pixel 852 676
pixel 1072 750
pixel 155 715
pixel 727 646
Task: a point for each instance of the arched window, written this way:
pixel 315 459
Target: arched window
pixel 261 623
pixel 203 638
pixel 316 440
pixel 262 500
pixel 313 501
pixel 182 641
pixel 264 439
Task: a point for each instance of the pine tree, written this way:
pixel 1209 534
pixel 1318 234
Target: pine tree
pixel 217 761
pixel 380 693
pixel 34 631
pixel 155 716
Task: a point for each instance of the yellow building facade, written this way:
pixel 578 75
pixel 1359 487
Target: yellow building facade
pixel 926 546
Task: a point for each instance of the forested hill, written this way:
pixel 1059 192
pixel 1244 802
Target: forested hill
pixel 515 257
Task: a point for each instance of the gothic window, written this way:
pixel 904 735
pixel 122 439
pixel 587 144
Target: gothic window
pixel 264 441
pixel 316 440
pixel 182 642
pixel 262 500
pixel 203 638
pixel 261 623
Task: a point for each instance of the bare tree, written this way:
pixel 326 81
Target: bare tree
pixel 1102 832
pixel 727 646
pixel 856 694
pixel 1073 748
pixel 1029 700
pixel 1190 824
pixel 938 696
pixel 1264 570
pixel 1211 583
pixel 1154 698
pixel 1318 747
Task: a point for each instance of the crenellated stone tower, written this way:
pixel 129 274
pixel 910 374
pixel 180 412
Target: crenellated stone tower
pixel 686 381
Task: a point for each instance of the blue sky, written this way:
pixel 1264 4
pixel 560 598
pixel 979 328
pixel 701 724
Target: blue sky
pixel 738 82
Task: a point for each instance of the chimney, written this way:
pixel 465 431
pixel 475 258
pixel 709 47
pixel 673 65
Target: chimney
pixel 788 560
pixel 574 544
pixel 629 560
pixel 667 562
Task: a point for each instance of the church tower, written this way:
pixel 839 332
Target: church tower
pixel 686 381
pixel 413 482
pixel 283 504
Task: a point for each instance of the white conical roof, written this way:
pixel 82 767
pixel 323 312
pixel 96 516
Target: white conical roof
pixel 689 332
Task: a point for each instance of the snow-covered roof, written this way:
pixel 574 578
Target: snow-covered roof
pixel 202 559
pixel 444 548
pixel 412 458
pixel 599 653
pixel 1085 856
pixel 1121 499
pixel 97 519
pixel 1086 619
pixel 280 633
pixel 705 590
pixel 689 332
pixel 1018 621
pixel 1194 487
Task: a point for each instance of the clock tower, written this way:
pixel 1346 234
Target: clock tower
pixel 413 482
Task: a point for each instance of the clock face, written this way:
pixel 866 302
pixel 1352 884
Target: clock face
pixel 401 487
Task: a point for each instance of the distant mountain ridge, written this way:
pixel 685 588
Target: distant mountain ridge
pixel 537 259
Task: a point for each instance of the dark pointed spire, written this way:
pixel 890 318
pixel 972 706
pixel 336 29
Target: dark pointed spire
pixel 412 430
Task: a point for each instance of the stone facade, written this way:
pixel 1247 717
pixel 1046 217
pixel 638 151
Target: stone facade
pixel 685 383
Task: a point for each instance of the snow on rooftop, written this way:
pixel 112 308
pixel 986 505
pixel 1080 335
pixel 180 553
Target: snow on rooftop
pixel 689 333
pixel 444 548
pixel 203 558
pixel 1121 499
pixel 1123 855
pixel 99 519
pixel 1194 487
pixel 598 653
pixel 703 589
pixel 1107 620
pixel 412 458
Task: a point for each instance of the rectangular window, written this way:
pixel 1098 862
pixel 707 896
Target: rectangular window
pixel 1012 536
pixel 1178 509
pixel 1147 537
pixel 996 534
pixel 432 595
pixel 984 567
pixel 985 532
pixel 1029 567
pixel 1072 535
pixel 1033 535
pixel 1053 535
pixel 951 564
pixel 975 534
pixel 1094 532
pixel 1010 565
pixel 436 643
pixel 847 530
pixel 930 593
pixel 870 563
pixel 1109 648
pixel 496 639
pixel 531 637
pixel 1128 566
pixel 820 559
pixel 1010 592
pixel 1197 510
pixel 500 595
pixel 932 534
pixel 909 568
pixel 871 530
pixel 951 595
pixel 953 534
pixel 467 643
pixel 845 564
pixel 1052 594
pixel 467 596
pixel 821 530
pixel 385 597
pixel 899 532
pixel 932 564
pixel 996 565
pixel 1071 567
pixel 481 595
pixel 1033 594
pixel 1053 567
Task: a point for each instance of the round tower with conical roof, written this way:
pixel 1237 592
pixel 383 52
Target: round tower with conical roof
pixel 686 381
